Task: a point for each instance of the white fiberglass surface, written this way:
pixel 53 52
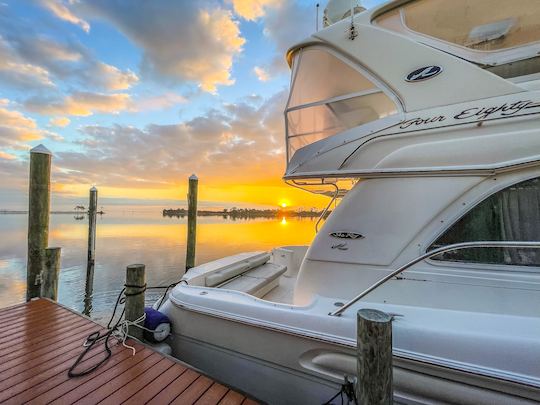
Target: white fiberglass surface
pixel 329 96
pixel 485 25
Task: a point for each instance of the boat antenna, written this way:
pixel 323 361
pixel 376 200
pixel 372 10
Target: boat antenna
pixel 352 31
pixel 317 19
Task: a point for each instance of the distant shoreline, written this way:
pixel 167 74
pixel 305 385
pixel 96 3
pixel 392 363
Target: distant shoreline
pixel 246 213
pixel 52 212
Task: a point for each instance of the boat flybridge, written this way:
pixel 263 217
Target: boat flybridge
pixel 423 117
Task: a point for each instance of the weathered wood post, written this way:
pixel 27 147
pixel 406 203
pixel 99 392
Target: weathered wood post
pixel 51 270
pixel 192 221
pixel 91 252
pixel 135 288
pixel 92 211
pixel 38 217
pixel 374 357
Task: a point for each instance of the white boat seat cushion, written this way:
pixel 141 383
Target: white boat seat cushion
pixel 235 268
pixel 253 281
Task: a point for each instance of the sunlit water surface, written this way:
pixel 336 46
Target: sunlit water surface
pixel 127 237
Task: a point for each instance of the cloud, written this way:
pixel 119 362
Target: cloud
pixel 285 24
pixel 55 137
pixel 16 72
pixel 60 10
pixel 112 78
pixel 253 9
pixel 7 156
pixel 56 51
pixel 16 130
pixel 60 122
pixel 32 60
pixel 261 74
pixel 80 104
pixel 194 41
pixel 214 145
pixel 159 102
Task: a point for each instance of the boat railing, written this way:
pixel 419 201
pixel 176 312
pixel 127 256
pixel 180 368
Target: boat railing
pixel 430 254
pixel 323 214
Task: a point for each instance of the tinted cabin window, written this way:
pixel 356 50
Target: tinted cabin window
pixel 480 25
pixel 512 214
pixel 485 25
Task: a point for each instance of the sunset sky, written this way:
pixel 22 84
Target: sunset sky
pixel 135 96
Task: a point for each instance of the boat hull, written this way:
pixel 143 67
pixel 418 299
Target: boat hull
pixel 286 368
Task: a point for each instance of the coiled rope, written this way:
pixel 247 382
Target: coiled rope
pixel 118 331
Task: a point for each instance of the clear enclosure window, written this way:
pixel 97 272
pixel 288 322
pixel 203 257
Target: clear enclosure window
pixel 321 76
pixel 327 97
pixel 476 24
pixel 512 214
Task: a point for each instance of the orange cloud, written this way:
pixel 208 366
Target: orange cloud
pixel 82 104
pixel 261 74
pixel 253 9
pixel 193 41
pixel 7 156
pixel 16 129
pixel 60 121
pixel 216 71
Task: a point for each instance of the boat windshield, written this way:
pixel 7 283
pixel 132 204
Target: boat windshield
pixel 483 25
pixel 329 96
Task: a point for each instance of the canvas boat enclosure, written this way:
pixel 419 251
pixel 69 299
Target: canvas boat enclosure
pixel 419 81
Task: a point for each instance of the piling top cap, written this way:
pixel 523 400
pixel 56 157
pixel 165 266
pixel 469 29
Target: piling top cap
pixel 41 149
pixel 93 188
pixel 193 177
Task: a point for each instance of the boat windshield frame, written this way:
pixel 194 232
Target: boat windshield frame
pixel 379 87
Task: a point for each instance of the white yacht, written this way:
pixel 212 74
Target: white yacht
pixel 423 118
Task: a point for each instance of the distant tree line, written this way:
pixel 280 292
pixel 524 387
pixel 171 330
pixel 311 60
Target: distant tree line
pixel 247 213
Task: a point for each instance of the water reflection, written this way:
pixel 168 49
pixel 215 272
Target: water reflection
pixel 126 238
pixel 88 289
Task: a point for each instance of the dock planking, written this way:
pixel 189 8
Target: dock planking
pixel 44 340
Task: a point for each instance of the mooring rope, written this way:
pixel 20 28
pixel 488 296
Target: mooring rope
pixel 118 331
pixel 347 388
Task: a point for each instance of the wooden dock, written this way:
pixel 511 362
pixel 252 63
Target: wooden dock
pixel 40 340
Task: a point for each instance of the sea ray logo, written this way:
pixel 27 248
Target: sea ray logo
pixel 423 73
pixel 346 235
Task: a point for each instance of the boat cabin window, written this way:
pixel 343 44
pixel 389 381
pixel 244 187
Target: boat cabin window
pixel 328 96
pixel 485 25
pixel 512 214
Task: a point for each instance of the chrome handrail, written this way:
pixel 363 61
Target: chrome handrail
pixel 327 207
pixel 435 252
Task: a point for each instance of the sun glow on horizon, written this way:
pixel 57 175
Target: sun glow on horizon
pixel 283 203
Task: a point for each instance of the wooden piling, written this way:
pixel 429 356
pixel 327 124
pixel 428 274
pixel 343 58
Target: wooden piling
pixel 38 217
pixel 92 212
pixel 135 288
pixel 192 221
pixel 374 357
pixel 51 270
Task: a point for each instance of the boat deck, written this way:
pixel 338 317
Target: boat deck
pixel 40 340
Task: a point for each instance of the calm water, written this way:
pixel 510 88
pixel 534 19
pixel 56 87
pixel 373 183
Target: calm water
pixel 128 237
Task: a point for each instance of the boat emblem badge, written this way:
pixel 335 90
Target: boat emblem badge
pixel 346 235
pixel 424 73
